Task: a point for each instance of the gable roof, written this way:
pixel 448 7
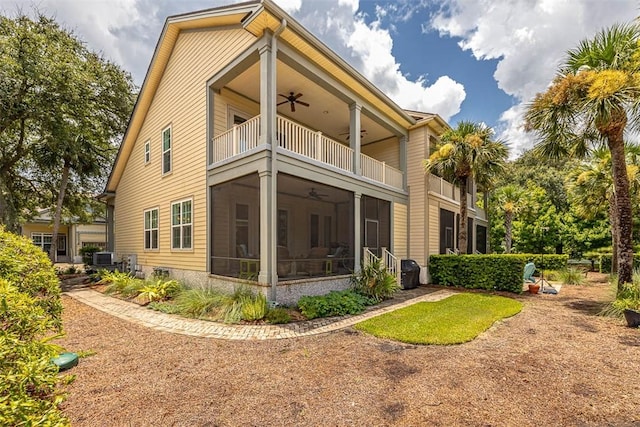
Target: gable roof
pixel 255 17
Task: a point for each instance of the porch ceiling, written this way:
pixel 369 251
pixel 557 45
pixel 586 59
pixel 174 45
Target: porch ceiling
pixel 326 112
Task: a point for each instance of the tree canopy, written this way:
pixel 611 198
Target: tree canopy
pixel 62 108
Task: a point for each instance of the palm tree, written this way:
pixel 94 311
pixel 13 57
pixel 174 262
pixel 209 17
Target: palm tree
pixel 509 198
pixel 467 153
pixel 591 190
pixel 593 99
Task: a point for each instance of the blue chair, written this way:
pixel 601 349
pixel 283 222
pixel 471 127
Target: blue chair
pixel 529 269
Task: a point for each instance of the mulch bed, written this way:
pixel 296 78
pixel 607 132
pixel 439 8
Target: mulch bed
pixel 555 363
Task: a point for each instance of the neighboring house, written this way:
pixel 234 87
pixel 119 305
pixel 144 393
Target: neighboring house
pixel 257 155
pixel 72 236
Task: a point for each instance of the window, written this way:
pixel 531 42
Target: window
pixel 151 229
pixel 42 240
pixel 147 152
pixel 166 150
pixel 181 224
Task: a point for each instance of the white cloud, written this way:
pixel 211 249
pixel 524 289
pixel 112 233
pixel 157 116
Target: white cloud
pixel 373 45
pixel 529 38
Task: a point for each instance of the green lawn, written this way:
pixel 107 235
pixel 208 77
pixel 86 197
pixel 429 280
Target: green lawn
pixel 454 320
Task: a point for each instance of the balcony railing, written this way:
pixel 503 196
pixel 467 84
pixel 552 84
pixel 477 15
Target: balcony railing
pixel 237 140
pixel 446 189
pixel 305 142
pixel 313 145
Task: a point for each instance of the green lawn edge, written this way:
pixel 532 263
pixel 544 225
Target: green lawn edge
pixel 457 319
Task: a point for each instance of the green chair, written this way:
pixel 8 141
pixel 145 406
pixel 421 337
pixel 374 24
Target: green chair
pixel 529 269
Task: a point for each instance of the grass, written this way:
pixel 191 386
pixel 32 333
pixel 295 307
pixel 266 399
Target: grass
pixel 454 320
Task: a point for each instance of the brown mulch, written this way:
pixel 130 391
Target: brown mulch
pixel 555 363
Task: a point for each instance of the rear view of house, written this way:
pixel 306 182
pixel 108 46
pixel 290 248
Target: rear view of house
pixel 255 155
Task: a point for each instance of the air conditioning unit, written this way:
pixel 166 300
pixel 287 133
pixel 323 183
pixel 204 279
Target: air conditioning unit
pixel 103 259
pixel 132 263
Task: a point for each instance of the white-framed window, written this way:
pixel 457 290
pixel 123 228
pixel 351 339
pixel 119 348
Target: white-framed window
pixel 42 240
pixel 166 150
pixel 182 224
pixel 151 228
pixel 147 152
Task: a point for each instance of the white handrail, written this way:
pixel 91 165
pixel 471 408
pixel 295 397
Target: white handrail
pixel 392 263
pixel 237 140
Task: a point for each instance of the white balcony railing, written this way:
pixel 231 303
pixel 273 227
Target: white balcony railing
pixel 313 144
pixel 237 140
pixel 305 142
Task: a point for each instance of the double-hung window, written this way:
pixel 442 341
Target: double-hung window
pixel 147 152
pixel 151 229
pixel 166 150
pixel 181 224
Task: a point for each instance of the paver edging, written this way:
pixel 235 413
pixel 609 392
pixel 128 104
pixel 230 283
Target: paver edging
pixel 171 323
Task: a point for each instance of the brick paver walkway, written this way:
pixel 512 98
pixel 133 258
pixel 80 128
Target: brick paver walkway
pixel 201 328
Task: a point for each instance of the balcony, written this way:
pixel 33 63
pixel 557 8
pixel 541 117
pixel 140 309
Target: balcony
pixel 446 189
pixel 305 142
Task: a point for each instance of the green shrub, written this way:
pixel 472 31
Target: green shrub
pixel 490 272
pixel 30 316
pixel 628 297
pixel 335 303
pixel 121 283
pixel 605 262
pixel 277 316
pixel 87 253
pixel 374 281
pixel 160 290
pixel 198 302
pixel 29 269
pixel 254 307
pixel 571 276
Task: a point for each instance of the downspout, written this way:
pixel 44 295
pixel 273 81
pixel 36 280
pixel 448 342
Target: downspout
pixel 274 162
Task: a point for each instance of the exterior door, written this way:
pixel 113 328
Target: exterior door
pixel 372 235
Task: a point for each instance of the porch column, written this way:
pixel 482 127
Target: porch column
pixel 111 244
pixel 357 232
pixel 354 135
pixel 267 244
pixel 403 160
pixel 267 91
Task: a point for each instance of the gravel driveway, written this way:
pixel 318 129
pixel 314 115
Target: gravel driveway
pixel 556 363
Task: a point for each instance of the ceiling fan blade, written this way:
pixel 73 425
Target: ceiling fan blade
pixel 302 103
pixel 293 107
pixel 280 103
pixel 297 96
pixel 284 96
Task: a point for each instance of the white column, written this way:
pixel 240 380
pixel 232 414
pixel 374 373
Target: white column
pixel 403 160
pixel 354 135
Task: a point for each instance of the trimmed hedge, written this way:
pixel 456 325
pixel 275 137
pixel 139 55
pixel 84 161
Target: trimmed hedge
pixel 605 262
pixel 491 272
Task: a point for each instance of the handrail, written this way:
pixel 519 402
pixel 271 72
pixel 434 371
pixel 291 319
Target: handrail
pixel 392 263
pixel 237 140
pixel 368 256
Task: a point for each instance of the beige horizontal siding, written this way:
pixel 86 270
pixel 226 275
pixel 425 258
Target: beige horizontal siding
pixel 180 101
pixel 416 149
pixel 387 151
pixel 400 230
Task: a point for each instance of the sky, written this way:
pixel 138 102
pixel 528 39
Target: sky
pixel 478 60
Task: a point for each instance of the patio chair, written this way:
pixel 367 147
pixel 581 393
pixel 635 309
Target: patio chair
pixel 284 261
pixel 316 263
pixel 529 269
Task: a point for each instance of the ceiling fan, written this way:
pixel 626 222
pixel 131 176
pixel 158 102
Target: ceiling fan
pixel 363 132
pixel 313 194
pixel 293 100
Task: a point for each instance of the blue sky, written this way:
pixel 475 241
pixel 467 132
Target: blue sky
pixel 479 60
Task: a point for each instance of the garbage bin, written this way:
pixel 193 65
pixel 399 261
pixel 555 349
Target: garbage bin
pixel 410 276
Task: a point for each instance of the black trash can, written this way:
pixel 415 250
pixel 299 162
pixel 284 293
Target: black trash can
pixel 410 277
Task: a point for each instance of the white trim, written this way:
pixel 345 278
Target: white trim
pixel 147 152
pixel 182 225
pixel 170 150
pixel 151 229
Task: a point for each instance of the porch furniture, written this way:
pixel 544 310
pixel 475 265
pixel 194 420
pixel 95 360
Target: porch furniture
pixel 284 261
pixel 249 264
pixel 529 269
pixel 317 262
